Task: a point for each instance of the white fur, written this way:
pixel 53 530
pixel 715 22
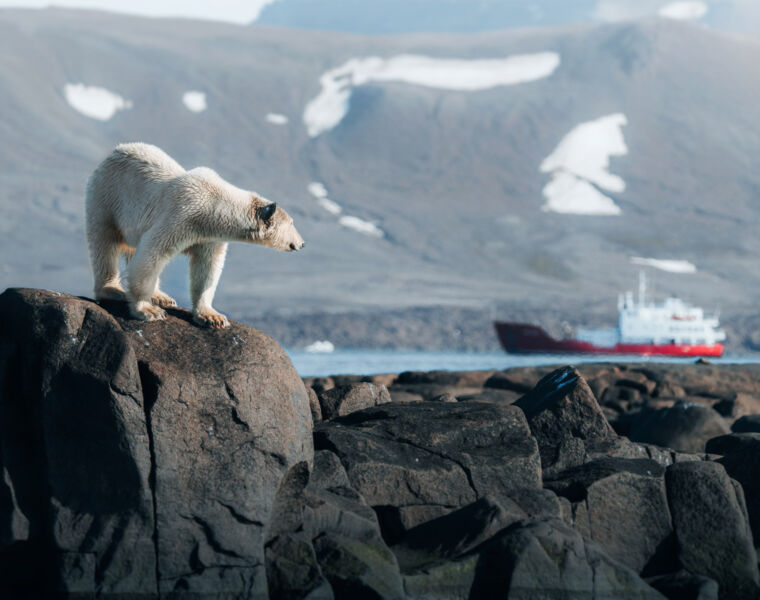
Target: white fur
pixel 143 204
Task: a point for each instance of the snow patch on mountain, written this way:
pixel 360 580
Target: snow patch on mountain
pixel 194 101
pixel 277 119
pixel 319 191
pixel 331 105
pixel 684 10
pixel 361 226
pixel 568 194
pixel 580 168
pixel 94 102
pixel 672 266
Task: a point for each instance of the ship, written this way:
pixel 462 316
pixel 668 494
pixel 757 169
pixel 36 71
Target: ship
pixel 670 328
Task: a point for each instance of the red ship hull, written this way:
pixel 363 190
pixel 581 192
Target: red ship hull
pixel 525 338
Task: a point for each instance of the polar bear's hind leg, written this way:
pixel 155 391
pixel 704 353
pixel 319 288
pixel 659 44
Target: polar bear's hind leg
pixel 144 267
pixel 105 249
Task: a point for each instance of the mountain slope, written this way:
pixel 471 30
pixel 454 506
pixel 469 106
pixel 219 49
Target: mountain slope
pixel 451 177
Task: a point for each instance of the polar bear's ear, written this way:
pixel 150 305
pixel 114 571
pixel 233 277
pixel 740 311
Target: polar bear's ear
pixel 267 211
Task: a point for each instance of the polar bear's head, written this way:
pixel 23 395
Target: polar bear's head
pixel 274 227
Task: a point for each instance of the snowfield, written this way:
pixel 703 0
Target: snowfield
pixel 568 194
pixel 333 102
pixel 672 266
pixel 580 166
pixel 683 10
pixel 94 102
pixel 194 101
pixel 361 226
pixel 277 119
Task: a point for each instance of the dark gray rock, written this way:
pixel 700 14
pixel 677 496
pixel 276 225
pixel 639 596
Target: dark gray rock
pixel 453 535
pixel 316 409
pixel 548 559
pixel 683 585
pixel 621 504
pixel 746 424
pixel 711 527
pixel 685 427
pixel 741 459
pixel 345 399
pixel 565 418
pixel 145 456
pixel 345 534
pixel 435 454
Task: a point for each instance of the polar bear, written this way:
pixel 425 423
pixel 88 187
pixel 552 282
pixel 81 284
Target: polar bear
pixel 141 203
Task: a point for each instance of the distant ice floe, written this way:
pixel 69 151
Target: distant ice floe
pixel 361 226
pixel 684 10
pixel 332 104
pixel 194 101
pixel 277 119
pixel 94 102
pixel 320 347
pixel 579 167
pixel 672 266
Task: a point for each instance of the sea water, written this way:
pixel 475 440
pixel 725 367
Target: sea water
pixel 369 362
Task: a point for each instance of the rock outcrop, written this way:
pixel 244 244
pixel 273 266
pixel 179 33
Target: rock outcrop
pixel 140 458
pixel 164 460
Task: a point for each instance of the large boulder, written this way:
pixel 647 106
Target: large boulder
pixel 741 459
pixel 712 528
pixel 685 427
pixel 326 541
pixel 548 559
pixel 565 418
pixel 413 462
pixel 140 458
pixel 621 504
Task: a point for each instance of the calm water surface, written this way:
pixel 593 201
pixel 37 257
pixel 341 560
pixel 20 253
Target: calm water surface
pixel 368 362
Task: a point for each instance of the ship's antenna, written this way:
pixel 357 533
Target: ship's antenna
pixel 642 287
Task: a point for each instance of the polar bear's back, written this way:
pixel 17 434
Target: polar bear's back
pixel 127 189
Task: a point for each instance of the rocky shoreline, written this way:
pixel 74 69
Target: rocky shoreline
pixel 145 460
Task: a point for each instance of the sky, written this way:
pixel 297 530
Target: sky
pixel 246 11
pixel 234 11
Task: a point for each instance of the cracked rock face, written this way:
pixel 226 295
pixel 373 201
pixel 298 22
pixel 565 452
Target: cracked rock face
pixel 433 454
pixel 140 457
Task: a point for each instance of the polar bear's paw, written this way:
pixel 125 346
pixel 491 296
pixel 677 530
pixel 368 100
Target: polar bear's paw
pixel 163 300
pixel 210 318
pixel 145 311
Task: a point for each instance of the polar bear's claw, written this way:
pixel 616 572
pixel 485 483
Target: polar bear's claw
pixel 214 320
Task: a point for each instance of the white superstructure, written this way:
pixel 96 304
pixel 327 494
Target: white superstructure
pixel 645 322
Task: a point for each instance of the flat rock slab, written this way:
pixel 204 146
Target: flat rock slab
pixel 434 453
pixel 157 448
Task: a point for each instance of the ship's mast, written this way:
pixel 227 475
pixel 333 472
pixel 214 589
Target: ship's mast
pixel 642 287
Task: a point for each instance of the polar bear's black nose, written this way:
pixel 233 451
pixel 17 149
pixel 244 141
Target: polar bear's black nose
pixel 292 246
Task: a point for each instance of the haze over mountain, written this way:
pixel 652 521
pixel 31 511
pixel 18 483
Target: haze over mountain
pixel 468 16
pixel 538 176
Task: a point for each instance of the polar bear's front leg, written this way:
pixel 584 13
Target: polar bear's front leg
pixel 145 266
pixel 206 263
